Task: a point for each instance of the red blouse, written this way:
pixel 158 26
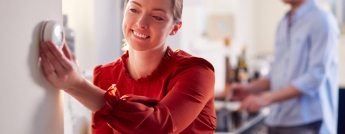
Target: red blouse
pixel 178 97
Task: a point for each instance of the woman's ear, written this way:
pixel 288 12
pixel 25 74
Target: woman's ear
pixel 177 27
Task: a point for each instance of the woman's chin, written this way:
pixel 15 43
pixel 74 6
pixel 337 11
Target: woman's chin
pixel 139 47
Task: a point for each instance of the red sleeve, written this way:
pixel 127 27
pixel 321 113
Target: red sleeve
pixel 193 88
pixel 103 129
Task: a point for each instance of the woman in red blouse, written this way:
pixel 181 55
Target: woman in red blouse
pixel 151 88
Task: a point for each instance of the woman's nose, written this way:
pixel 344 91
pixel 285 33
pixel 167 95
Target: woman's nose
pixel 143 22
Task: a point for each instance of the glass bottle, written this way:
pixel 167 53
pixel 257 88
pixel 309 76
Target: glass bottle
pixel 241 72
pixel 228 68
pixel 69 34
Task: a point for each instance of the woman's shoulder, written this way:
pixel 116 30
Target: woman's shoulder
pixel 110 64
pixel 119 63
pixel 109 67
pixel 103 75
pixel 184 59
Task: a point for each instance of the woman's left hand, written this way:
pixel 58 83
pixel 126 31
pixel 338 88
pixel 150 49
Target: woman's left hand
pixel 59 67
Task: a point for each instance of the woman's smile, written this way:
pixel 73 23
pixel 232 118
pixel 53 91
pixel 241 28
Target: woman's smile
pixel 140 35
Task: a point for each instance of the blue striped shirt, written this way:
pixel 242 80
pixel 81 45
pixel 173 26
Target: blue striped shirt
pixel 306 57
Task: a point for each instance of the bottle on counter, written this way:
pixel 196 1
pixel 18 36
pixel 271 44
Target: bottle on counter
pixel 69 34
pixel 223 117
pixel 241 71
pixel 228 69
pixel 242 77
pixel 229 72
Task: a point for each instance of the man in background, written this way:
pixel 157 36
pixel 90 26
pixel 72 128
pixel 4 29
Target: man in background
pixel 302 87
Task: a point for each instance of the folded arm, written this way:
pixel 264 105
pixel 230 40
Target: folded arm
pixel 174 113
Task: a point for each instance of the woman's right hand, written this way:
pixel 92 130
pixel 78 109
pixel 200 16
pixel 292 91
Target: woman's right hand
pixel 59 67
pixel 239 92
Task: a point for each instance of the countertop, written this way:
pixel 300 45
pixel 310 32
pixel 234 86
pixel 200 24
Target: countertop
pixel 246 125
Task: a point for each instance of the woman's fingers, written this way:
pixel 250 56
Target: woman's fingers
pixel 57 58
pixel 68 53
pixel 48 54
pixel 47 68
pixel 58 66
pixel 61 58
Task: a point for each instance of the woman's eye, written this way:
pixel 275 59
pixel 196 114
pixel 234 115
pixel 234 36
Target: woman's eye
pixel 158 18
pixel 133 10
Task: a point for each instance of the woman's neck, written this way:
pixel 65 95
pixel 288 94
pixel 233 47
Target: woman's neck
pixel 143 63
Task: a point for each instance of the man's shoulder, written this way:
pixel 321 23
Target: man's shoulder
pixel 321 20
pixel 321 15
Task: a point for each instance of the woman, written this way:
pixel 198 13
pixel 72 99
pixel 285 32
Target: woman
pixel 157 90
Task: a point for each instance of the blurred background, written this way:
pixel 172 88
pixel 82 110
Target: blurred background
pixel 212 29
pixel 236 36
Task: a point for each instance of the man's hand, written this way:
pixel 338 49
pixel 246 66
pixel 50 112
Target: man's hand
pixel 239 92
pixel 253 103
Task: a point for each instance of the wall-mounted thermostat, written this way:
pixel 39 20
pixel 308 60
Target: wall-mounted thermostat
pixel 52 31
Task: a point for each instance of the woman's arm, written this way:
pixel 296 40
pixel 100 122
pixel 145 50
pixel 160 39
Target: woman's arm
pixel 61 70
pixel 192 88
pixel 88 94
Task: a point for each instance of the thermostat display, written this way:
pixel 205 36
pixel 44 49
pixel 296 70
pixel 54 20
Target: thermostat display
pixel 52 31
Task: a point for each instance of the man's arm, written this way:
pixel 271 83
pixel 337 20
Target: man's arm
pixel 258 86
pixel 253 103
pixel 238 92
pixel 284 94
pixel 322 52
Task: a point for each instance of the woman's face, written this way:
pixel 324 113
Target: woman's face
pixel 147 23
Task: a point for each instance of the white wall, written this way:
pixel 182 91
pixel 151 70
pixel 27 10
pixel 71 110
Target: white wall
pixel 81 18
pixel 268 13
pixel 108 30
pixel 29 104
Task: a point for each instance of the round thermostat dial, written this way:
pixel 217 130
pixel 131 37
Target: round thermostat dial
pixel 52 31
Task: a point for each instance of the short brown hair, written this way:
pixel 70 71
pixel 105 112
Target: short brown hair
pixel 177 6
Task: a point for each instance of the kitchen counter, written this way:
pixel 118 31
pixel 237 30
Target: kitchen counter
pixel 248 124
